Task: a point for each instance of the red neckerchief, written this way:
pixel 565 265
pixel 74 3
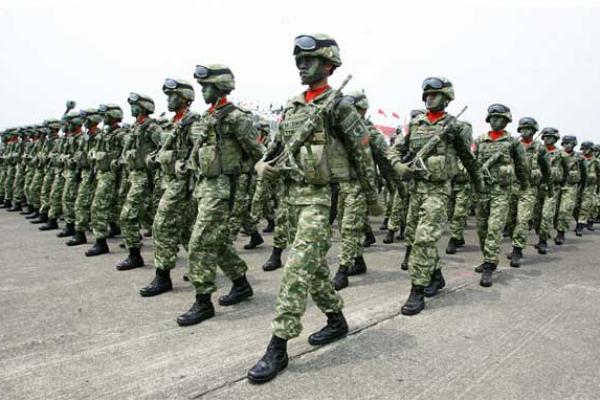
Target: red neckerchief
pixel 92 130
pixel 434 116
pixel 220 104
pixel 141 118
pixel 179 115
pixel 312 94
pixel 569 152
pixel 495 135
pixel 115 126
pixel 589 157
pixel 77 132
pixel 528 141
pixel 551 148
pixel 12 140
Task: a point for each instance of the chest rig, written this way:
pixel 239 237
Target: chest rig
pixel 496 158
pixel 573 171
pixel 532 152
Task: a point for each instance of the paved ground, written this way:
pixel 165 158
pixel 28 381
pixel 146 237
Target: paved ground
pixel 75 328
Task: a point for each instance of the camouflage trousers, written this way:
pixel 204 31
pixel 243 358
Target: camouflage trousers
pixel 427 214
pixel 568 200
pixel 158 189
pixel 262 205
pixel 19 184
pixel 240 212
pixel 35 188
pixel 461 201
pixel 134 208
pixel 50 172
pixel 282 233
pixel 56 192
pixel 9 180
pixel 83 202
pixel 121 190
pixel 525 203
pixel 210 245
pixel 69 195
pixel 103 203
pixel 492 209
pixel 2 177
pixel 399 212
pixel 352 210
pixel 173 222
pixel 588 204
pixel 305 271
pixel 26 185
pixel 388 194
pixel 549 208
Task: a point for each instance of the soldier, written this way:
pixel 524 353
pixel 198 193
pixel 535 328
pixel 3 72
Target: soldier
pixel 262 205
pixel 434 139
pixel 314 139
pixel 12 138
pixel 107 148
pixel 144 140
pixel 31 148
pixel 40 167
pixel 500 157
pixel 539 173
pixel 173 222
pixel 18 152
pixel 71 173
pixel 87 175
pixel 590 189
pixel 2 165
pixel 575 182
pixel 461 201
pixel 53 180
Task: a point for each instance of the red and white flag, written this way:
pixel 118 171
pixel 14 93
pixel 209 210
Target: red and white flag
pixel 381 112
pixel 395 115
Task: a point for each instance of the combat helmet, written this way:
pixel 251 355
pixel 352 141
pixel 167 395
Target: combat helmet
pixel 318 45
pixel 569 139
pixel 549 131
pixel 179 86
pixel 528 122
pixel 437 84
pixel 144 101
pixel 218 74
pixel 91 114
pixel 358 99
pixel 587 145
pixel 498 110
pixel 113 111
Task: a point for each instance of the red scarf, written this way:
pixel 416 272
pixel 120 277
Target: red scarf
pixel 495 135
pixel 589 157
pixel 179 115
pixel 141 118
pixel 311 94
pixel 551 147
pixel 527 141
pixel 434 116
pixel 220 104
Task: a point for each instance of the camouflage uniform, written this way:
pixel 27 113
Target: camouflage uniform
pixel 575 180
pixel 592 186
pixel 39 165
pixel 71 174
pixel 461 201
pixel 18 194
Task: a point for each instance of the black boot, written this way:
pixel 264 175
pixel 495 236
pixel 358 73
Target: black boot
pixel 369 238
pixel 542 246
pixel 389 237
pixel 41 219
pixel 134 260
pixel 27 210
pixel 51 224
pixel 78 238
pixel 115 230
pixel 416 301
pixel 15 207
pixel 240 291
pixel 384 225
pixel 359 267
pixel 336 328
pixel 515 257
pixel 270 226
pixel 459 242
pixel 400 236
pixel 201 310
pixel 404 265
pixel 486 276
pixel 255 241
pixel 451 248
pixel 579 230
pixel 147 233
pixel 273 362
pixel 274 262
pixel 35 214
pixel 590 225
pixel 68 231
pixel 7 204
pixel 100 247
pixel 160 284
pixel 340 280
pixel 479 268
pixel 1 201
pixel 436 284
pixel 560 237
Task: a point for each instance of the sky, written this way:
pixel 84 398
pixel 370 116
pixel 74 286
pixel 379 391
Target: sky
pixel 540 58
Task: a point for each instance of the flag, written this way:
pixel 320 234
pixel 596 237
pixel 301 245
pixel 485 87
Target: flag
pixel 395 115
pixel 381 112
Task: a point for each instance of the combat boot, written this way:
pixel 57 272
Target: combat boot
pixel 404 265
pixel 255 241
pixel 78 239
pixel 336 328
pixel 240 291
pixel 340 280
pixel 400 235
pixel 201 310
pixel 437 283
pixel 579 230
pixel 479 268
pixel 515 257
pixel 384 225
pixel 542 246
pixel 486 276
pixel 27 210
pixel 273 362
pixel 590 225
pixel 7 204
pixel 159 285
pixel 451 248
pixel 270 226
pixel 147 233
pixel 1 201
pixel 416 301
pixel 134 260
pixel 15 207
pixel 68 231
pixel 51 224
pixel 389 237
pixel 359 267
pixel 115 230
pixel 41 219
pixel 459 242
pixel 369 238
pixel 35 214
pixel 560 237
pixel 100 247
pixel 274 261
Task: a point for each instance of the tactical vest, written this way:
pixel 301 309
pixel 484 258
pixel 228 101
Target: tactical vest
pixel 176 147
pixel 502 171
pixel 556 167
pixel 140 144
pixel 591 167
pixel 573 171
pixel 532 152
pixel 442 162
